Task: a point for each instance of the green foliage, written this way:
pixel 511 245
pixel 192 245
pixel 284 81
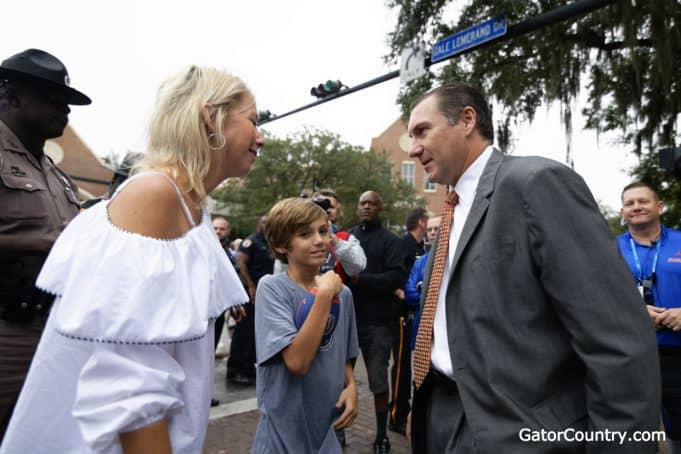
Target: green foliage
pixel 314 160
pixel 613 218
pixel 626 55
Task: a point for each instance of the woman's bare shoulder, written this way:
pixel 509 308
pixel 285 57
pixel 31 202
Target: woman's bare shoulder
pixel 148 205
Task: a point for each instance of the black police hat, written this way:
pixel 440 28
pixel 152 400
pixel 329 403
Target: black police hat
pixel 44 69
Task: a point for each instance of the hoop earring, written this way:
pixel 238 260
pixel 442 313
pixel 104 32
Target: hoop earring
pixel 219 147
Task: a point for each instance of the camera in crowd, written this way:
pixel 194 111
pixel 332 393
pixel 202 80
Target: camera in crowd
pixel 320 200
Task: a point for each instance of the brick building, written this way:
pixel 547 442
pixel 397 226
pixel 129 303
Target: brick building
pixel 72 156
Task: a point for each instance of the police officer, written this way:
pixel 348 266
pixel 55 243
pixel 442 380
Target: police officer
pixel 37 200
pixel 254 262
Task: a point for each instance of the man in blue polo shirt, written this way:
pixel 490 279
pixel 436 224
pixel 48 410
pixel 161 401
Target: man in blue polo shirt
pixel 653 253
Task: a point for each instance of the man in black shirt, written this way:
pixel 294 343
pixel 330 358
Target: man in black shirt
pixel 376 305
pixel 414 240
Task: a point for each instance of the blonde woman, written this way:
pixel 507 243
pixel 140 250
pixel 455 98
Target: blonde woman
pixel 126 360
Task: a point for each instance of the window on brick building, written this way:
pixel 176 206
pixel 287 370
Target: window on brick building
pixel 428 186
pixel 408 168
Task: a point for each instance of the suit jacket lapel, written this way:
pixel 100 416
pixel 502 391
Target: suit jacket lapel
pixel 479 207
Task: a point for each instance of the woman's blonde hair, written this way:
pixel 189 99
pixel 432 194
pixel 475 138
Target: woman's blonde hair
pixel 179 142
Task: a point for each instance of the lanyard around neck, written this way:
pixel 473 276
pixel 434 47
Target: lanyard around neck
pixel 637 262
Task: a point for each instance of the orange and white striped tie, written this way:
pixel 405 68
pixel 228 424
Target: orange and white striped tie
pixel 424 335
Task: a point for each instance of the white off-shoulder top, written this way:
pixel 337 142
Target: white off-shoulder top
pixel 129 340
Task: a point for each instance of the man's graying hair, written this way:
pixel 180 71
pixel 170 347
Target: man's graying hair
pixel 452 98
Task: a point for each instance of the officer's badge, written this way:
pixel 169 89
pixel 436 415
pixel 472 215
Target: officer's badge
pixel 17 172
pixel 247 243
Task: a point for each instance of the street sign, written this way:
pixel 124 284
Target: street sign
pixel 413 63
pixel 468 38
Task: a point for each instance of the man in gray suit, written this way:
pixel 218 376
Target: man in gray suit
pixel 540 340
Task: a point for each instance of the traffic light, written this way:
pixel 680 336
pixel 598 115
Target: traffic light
pixel 330 87
pixel 265 116
pixel 670 160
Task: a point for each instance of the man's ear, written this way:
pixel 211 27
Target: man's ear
pixel 207 119
pixel 280 249
pixel 468 119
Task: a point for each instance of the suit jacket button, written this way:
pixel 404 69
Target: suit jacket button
pixel 38 307
pixel 24 305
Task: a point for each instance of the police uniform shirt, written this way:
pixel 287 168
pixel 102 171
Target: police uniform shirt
pixel 37 200
pixel 260 262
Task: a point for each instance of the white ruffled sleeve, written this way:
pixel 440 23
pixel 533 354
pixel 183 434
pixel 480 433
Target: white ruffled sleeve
pixel 118 287
pixel 124 388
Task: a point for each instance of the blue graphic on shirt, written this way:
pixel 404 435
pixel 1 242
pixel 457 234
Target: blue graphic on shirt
pixel 304 308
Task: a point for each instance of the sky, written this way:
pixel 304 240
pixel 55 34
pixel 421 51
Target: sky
pixel 119 52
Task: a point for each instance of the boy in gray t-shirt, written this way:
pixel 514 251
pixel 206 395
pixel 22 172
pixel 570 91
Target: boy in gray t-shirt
pixel 305 336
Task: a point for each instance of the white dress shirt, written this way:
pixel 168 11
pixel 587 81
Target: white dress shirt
pixel 466 188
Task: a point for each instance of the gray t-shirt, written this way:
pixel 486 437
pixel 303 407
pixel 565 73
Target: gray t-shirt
pixel 297 412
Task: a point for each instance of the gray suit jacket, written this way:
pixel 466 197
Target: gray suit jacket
pixel 546 328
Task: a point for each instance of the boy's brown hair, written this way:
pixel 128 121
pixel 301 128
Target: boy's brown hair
pixel 285 218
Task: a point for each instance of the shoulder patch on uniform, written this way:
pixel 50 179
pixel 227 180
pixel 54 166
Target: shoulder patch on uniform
pixel 247 243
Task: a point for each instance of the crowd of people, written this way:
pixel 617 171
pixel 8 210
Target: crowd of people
pixel 513 309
